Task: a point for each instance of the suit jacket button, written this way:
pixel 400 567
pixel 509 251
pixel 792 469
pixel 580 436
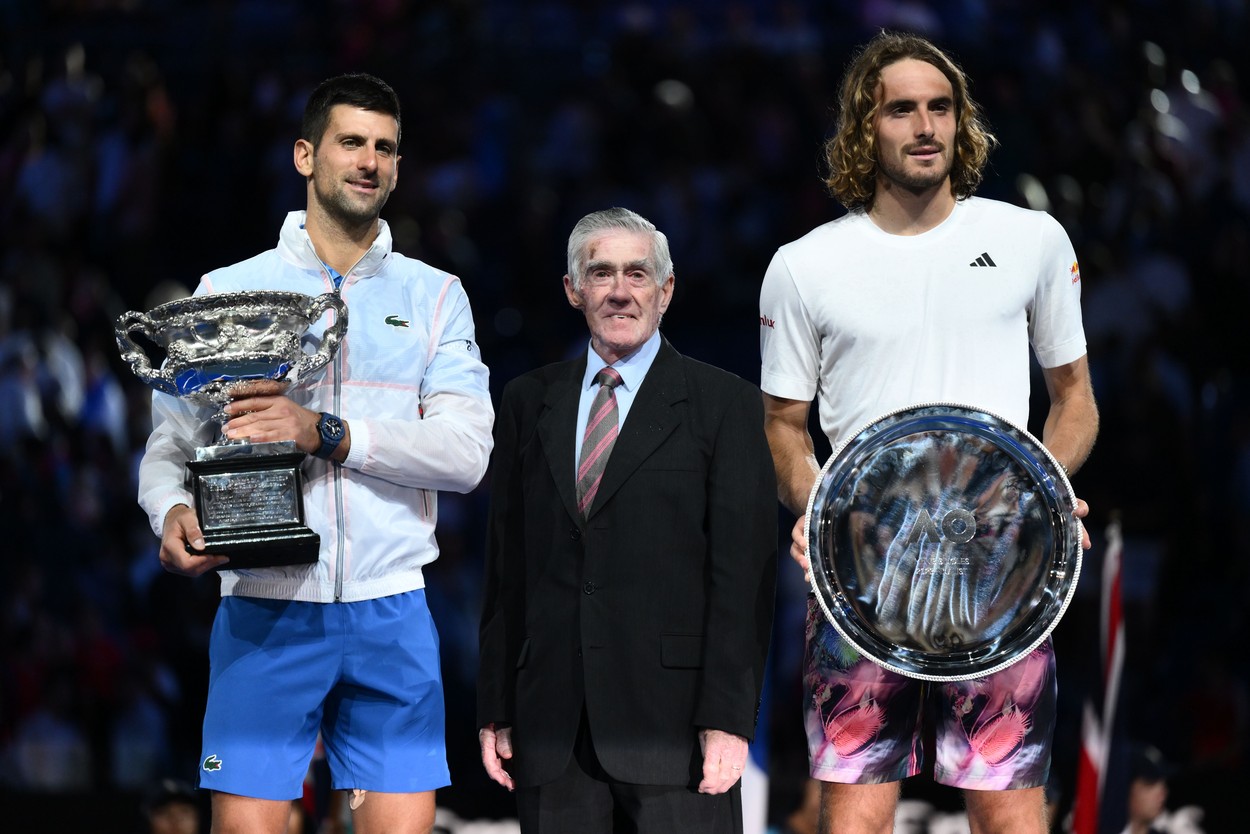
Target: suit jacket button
pixel 589 587
pixel 575 534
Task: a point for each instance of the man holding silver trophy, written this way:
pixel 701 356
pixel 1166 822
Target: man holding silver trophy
pixel 921 296
pixel 341 643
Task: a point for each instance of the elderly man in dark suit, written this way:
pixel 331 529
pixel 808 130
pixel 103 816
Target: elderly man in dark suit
pixel 630 568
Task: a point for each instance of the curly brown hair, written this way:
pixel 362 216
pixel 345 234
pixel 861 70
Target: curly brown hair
pixel 851 153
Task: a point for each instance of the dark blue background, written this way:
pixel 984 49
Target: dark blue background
pixel 145 142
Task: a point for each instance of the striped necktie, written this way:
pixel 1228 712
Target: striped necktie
pixel 601 431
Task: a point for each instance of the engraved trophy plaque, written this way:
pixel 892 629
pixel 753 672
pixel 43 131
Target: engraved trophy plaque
pixel 942 542
pixel 248 496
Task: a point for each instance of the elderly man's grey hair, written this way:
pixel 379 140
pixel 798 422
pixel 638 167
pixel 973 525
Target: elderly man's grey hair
pixel 598 222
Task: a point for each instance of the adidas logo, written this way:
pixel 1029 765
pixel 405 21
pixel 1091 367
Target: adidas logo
pixel 983 259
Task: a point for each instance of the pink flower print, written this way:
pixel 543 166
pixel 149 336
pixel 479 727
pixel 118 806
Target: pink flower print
pixel 962 705
pixel 821 692
pixel 998 739
pixel 851 730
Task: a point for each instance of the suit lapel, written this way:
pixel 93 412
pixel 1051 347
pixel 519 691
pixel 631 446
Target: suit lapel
pixel 557 428
pixel 652 418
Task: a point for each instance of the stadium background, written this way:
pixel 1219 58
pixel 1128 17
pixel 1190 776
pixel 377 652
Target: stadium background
pixel 143 142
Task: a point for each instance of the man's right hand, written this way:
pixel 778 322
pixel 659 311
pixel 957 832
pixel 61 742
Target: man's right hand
pixel 182 531
pixel 798 548
pixel 794 456
pixel 496 747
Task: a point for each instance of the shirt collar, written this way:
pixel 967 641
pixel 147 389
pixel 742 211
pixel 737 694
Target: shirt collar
pixel 298 248
pixel 632 368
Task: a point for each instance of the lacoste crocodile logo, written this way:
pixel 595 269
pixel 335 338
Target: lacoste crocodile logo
pixel 212 763
pixel 396 321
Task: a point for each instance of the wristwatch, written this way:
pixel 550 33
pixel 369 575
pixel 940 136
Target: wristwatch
pixel 331 430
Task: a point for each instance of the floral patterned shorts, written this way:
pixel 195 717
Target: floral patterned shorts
pixel 864 722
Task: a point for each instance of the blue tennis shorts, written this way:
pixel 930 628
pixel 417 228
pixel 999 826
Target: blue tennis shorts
pixel 363 674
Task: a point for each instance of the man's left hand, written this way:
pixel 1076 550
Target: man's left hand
pixel 1082 510
pixel 724 757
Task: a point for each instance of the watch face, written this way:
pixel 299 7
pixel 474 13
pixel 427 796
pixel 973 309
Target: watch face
pixel 331 428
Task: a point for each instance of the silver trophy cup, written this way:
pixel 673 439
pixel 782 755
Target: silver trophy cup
pixel 942 542
pixel 248 496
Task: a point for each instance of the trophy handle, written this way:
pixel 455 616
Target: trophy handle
pixel 332 336
pixel 134 355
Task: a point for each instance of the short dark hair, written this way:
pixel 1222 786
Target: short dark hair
pixel 356 89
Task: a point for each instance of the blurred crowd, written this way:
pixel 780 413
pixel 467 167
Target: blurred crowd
pixel 143 142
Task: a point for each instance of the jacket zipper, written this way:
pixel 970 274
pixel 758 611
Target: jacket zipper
pixel 336 468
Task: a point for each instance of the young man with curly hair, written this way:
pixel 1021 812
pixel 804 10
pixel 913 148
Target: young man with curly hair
pixel 920 293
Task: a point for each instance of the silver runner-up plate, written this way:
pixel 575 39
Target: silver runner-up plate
pixel 942 542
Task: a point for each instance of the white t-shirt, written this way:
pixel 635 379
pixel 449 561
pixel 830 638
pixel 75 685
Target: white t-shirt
pixel 873 322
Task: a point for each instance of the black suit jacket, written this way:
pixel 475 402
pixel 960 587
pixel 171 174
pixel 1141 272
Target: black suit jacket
pixel 655 612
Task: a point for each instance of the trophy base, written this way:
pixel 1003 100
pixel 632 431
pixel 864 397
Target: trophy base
pixel 250 502
pixel 264 548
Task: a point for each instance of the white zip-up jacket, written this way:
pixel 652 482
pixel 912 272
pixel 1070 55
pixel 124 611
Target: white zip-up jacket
pixel 408 379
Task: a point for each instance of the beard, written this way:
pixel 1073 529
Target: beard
pixel 916 180
pixel 347 208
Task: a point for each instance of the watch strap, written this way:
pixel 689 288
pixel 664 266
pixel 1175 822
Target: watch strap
pixel 330 427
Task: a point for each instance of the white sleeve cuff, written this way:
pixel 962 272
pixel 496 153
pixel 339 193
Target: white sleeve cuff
pixel 361 441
